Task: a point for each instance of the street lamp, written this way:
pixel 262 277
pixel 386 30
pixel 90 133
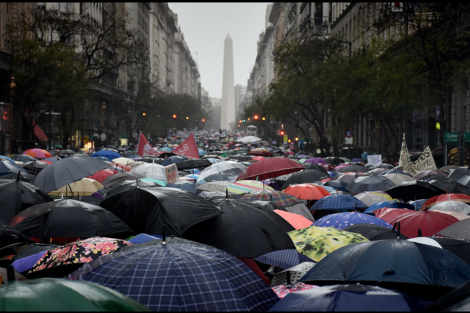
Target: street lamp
pixel 12 90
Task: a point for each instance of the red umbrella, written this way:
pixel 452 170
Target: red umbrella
pixel 445 197
pixel 102 175
pixel 328 167
pixel 297 221
pixel 427 221
pixel 307 191
pixel 388 214
pixel 270 168
pixel 260 152
pixel 257 158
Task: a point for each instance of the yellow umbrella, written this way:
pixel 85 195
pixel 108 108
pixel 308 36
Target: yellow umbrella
pixel 82 187
pixel 123 161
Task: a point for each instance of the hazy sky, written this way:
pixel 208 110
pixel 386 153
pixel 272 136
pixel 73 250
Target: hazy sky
pixel 205 26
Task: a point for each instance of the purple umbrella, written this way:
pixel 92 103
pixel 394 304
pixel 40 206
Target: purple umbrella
pixel 27 263
pixel 315 160
pixel 358 160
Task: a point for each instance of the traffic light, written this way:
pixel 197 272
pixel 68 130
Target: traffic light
pixel 203 120
pixel 296 138
pixel 239 122
pixel 264 119
pixel 282 133
pixel 144 114
pixel 249 119
pixel 187 117
pixel 238 125
pixel 174 115
pixel 256 117
pixel 288 140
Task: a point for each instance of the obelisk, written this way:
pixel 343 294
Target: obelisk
pixel 228 93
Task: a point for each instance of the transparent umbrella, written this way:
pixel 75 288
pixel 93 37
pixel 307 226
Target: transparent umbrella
pixel 223 171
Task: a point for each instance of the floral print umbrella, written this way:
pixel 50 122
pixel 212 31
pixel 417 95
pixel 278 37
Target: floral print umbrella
pixel 284 290
pixel 82 251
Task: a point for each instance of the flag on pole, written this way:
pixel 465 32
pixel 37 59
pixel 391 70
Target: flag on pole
pixel 187 148
pixel 145 148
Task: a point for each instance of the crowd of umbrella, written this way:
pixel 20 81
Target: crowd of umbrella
pixel 246 227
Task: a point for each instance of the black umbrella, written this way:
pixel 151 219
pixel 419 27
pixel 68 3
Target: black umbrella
pixel 34 167
pixel 352 168
pixel 459 172
pixel 334 160
pixel 423 271
pixel 125 186
pixel 33 248
pixel 374 232
pixel 67 218
pixel 23 177
pixel 382 165
pixel 412 190
pixel 463 180
pixel 23 158
pixel 119 177
pixel 313 166
pixel 68 151
pixel 446 184
pixel 458 300
pixel 241 158
pixel 244 230
pixel 458 230
pixel 370 183
pixel 17 195
pixel 193 163
pixel 460 248
pixel 11 239
pixel 146 210
pixel 66 171
pixel 305 176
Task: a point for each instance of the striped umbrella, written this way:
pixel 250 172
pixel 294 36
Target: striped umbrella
pixel 38 153
pixel 244 186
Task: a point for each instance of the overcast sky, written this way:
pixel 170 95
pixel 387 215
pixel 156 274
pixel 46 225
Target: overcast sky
pixel 205 26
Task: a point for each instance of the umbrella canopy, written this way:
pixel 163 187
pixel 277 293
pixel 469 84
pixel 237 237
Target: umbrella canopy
pixel 28 178
pixel 67 152
pixel 174 160
pixel 21 157
pixel 372 197
pixel 150 170
pixel 337 184
pixel 312 166
pixel 244 229
pixel 125 186
pixel 334 160
pixel 445 184
pixel 284 290
pixel 412 190
pixel 372 183
pixel 17 196
pixel 184 185
pixel 297 221
pixel 249 139
pixel 318 242
pixel 82 187
pixel 68 296
pixel 423 174
pixel 444 198
pixel 374 232
pixel 305 176
pixel 270 168
pixel 458 230
pixel 68 258
pixel 66 171
pixel 453 206
pixel 388 214
pixel 146 210
pixel 428 223
pixel 315 160
pixel 67 218
pixel 223 171
pixel 119 177
pixel 100 176
pixel 110 154
pixel 260 152
pixel 180 275
pixel 338 202
pixel 343 220
pixel 8 167
pixel 460 248
pixel 418 273
pixel 245 186
pixel 193 163
pixel 291 275
pixel 34 167
pixel 349 177
pixel 352 168
pixel 277 197
pixel 353 297
pixel 307 191
pixel 123 161
pixel 389 204
pixel 284 258
pixel 38 153
pixel 10 237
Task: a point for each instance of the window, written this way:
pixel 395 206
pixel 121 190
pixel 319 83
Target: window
pixel 65 6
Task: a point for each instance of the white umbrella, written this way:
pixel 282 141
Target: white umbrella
pixel 398 178
pixel 249 139
pixel 123 161
pixel 223 171
pixel 150 170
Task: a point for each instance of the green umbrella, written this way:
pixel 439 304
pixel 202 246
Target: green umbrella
pixel 302 161
pixel 56 294
pixel 223 155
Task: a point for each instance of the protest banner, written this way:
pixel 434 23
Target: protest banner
pixel 187 148
pixel 375 159
pixel 171 172
pixel 423 163
pixel 145 148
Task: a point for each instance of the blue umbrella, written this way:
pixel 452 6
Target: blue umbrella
pixel 339 185
pixel 173 160
pixel 27 263
pixel 284 258
pixel 5 157
pixel 338 202
pixel 342 220
pixel 193 176
pixel 106 153
pixel 388 204
pixel 417 204
pixel 166 149
pixel 359 298
pixel 180 275
pixel 201 152
pixel 184 185
pixel 7 167
pixel 194 171
pixel 332 174
pixel 143 238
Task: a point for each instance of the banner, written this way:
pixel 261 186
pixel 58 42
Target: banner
pixel 423 163
pixel 375 159
pixel 187 148
pixel 171 172
pixel 145 148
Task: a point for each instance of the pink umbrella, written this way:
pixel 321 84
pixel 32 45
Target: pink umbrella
pixel 342 165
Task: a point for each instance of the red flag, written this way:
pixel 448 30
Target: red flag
pixel 187 148
pixel 145 148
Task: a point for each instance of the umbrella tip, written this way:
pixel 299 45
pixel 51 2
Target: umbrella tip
pixel 398 231
pixel 226 193
pixel 163 234
pixel 419 233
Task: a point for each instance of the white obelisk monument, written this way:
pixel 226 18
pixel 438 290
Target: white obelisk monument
pixel 228 93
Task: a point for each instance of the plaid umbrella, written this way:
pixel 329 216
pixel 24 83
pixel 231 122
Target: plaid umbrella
pixel 277 197
pixel 292 275
pixel 284 290
pixel 286 258
pixel 180 275
pixel 338 202
pixel 34 167
pixel 78 252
